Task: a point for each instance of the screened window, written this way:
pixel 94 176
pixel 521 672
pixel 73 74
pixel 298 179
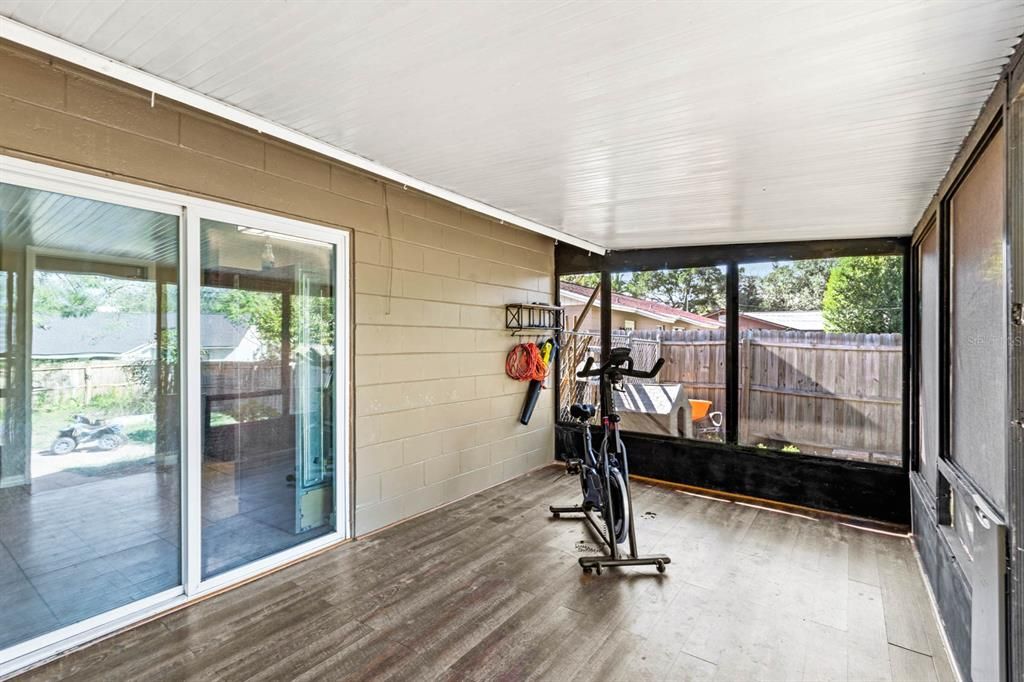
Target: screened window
pixel 821 357
pixel 978 334
pixel 670 314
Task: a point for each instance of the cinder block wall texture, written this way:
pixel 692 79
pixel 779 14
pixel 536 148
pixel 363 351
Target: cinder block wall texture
pixel 435 417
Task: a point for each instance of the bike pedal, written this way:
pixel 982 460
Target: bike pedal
pixel 573 467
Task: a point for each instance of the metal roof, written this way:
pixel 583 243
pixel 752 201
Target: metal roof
pixel 624 124
pixel 800 320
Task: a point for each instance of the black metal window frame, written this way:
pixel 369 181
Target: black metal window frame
pixel 572 261
pixel 914 332
pixel 1014 121
pixel 946 312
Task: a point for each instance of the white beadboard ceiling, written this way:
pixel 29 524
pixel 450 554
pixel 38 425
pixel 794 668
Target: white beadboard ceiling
pixel 626 124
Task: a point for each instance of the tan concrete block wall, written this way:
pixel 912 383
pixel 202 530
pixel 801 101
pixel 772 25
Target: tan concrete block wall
pixel 435 419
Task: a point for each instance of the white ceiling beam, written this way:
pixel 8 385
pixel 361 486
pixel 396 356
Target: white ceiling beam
pixel 41 41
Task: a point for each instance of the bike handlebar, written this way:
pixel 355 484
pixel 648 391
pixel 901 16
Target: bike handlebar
pixel 626 371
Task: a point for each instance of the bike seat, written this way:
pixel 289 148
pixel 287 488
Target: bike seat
pixel 619 356
pixel 582 411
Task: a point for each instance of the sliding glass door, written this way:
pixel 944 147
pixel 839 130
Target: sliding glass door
pixel 173 401
pixel 90 515
pixel 267 339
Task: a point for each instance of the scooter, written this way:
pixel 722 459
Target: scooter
pixel 84 430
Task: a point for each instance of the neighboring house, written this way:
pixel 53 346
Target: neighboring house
pixel 630 313
pixel 132 336
pixel 783 320
pixel 222 339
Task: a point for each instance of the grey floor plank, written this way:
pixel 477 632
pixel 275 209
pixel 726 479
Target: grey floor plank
pixel 867 645
pixel 611 658
pixel 904 597
pixel 862 558
pixel 910 666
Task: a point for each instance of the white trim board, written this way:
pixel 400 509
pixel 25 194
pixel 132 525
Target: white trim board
pixel 40 41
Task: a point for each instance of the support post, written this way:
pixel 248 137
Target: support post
pixel 1015 437
pixel 746 352
pixel 606 334
pixel 732 335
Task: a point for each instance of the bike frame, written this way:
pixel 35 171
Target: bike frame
pixel 616 460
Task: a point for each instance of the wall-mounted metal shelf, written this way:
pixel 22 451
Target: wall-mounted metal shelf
pixel 532 318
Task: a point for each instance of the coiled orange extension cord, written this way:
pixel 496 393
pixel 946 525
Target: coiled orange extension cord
pixel 525 363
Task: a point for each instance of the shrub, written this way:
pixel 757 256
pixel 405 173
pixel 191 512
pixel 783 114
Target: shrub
pixel 144 434
pixel 865 295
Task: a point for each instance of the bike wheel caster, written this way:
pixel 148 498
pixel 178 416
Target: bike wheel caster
pixel 556 515
pixel 661 566
pixel 587 570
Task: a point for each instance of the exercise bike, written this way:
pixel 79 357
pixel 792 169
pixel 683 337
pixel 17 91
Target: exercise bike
pixel 604 476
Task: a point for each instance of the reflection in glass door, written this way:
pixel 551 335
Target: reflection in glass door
pixel 267 365
pixel 90 516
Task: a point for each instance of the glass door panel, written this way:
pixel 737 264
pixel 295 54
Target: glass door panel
pixel 267 387
pixel 90 516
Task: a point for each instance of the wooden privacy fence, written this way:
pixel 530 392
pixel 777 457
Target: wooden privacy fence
pixel 691 368
pixel 831 394
pixel 82 381
pixel 246 391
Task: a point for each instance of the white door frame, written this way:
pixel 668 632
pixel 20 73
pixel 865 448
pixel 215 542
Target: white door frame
pixel 286 227
pixel 190 211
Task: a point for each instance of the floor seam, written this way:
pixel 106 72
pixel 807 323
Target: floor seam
pixel 907 648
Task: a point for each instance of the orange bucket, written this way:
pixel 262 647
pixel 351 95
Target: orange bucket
pixel 699 409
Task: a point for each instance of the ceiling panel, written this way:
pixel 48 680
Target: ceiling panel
pixel 85 227
pixel 629 125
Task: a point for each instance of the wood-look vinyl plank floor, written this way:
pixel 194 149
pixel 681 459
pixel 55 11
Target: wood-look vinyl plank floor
pixel 489 588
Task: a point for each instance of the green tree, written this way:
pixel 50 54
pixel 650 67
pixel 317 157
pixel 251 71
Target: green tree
pixel 591 280
pixel 750 292
pixel 799 285
pixel 312 317
pixel 259 309
pixel 58 294
pixel 865 295
pixel 697 290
